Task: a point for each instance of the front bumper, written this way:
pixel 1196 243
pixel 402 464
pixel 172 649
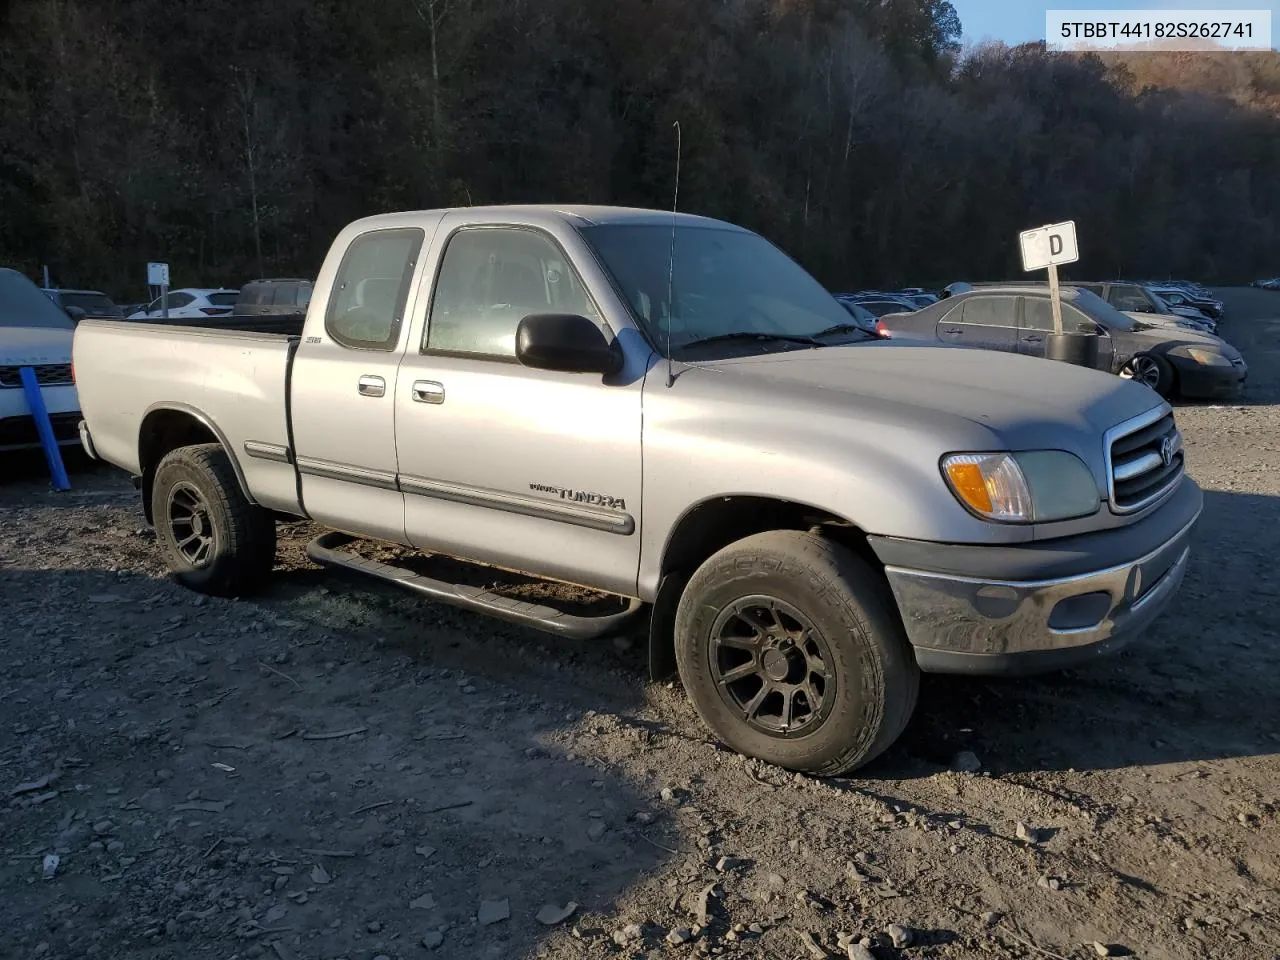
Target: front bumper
pixel 994 625
pixel 1211 383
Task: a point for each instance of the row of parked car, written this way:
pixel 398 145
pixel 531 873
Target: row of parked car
pixel 276 305
pixel 1164 335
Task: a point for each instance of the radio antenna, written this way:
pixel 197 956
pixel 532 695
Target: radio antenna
pixel 671 261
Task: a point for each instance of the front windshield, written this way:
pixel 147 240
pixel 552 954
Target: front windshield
pixel 1103 312
pixel 723 281
pixel 23 305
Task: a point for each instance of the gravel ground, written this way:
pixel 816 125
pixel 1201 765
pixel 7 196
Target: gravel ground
pixel 333 770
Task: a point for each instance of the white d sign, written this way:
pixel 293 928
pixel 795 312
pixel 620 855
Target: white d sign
pixel 1049 246
pixel 157 274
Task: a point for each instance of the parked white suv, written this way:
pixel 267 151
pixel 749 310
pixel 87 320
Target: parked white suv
pixel 34 333
pixel 191 303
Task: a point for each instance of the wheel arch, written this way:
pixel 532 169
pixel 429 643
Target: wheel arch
pixel 167 426
pixel 711 525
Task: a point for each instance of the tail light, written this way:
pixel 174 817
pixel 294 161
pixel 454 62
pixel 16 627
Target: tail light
pixel 73 372
pixel 883 330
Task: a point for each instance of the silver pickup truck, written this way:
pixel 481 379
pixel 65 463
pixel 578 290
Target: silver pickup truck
pixel 669 411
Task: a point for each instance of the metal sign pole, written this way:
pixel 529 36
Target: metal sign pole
pixel 1053 298
pixel 164 302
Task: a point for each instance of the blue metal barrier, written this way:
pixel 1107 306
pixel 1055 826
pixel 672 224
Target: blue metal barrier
pixel 40 413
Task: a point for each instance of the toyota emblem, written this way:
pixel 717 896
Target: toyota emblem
pixel 1168 447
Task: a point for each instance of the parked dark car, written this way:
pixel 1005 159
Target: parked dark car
pixel 1272 284
pixel 1015 319
pixel 864 318
pixel 78 304
pixel 880 304
pixel 273 306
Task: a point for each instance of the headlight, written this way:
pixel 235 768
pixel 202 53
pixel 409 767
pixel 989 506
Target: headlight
pixel 1208 358
pixel 1036 486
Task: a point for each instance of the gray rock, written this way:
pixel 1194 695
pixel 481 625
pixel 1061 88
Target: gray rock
pixel 668 795
pixel 551 914
pixel 493 911
pixel 374 926
pixel 597 830
pixel 433 940
pixel 900 936
pixel 681 935
pixel 628 934
pixel 275 914
pixel 1049 883
pixel 424 902
pixel 991 918
pixel 182 889
pixel 727 863
pixel 1026 834
pixel 856 951
pixel 103 826
pixel 966 761
pixel 815 949
pixel 319 875
pixel 114 846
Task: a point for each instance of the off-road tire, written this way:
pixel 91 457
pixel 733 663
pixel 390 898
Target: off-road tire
pixel 876 678
pixel 243 546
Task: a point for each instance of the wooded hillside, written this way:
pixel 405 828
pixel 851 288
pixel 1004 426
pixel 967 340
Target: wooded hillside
pixel 233 139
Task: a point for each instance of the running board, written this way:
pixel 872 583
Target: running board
pixel 325 551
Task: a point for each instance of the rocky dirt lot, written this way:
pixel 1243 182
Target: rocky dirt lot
pixel 333 770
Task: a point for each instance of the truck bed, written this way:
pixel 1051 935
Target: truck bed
pixel 233 381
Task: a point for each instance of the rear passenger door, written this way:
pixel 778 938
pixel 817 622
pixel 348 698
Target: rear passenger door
pixel 342 388
pixel 984 322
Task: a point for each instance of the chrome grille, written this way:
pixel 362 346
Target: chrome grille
pixel 1144 460
pixel 47 375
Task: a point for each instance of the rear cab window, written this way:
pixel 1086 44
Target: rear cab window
pixel 367 304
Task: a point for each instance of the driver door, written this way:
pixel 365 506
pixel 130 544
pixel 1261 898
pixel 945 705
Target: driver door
pixel 534 470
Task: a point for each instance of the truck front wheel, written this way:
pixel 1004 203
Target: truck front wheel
pixel 214 539
pixel 789 646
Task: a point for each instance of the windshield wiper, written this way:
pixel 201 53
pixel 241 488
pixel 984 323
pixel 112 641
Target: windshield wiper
pixel 757 336
pixel 841 328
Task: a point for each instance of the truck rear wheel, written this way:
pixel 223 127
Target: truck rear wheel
pixel 791 651
pixel 215 540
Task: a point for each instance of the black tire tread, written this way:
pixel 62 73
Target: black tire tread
pixel 860 595
pixel 249 553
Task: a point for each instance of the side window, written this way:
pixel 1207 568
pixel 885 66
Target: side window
pixel 991 311
pixel 492 278
pixel 366 306
pixel 284 294
pixel 1039 316
pixel 179 300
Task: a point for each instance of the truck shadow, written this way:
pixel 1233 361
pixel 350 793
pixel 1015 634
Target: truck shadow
pixel 1199 685
pixel 252 738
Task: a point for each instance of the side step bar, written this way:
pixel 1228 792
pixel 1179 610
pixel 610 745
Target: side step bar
pixel 325 550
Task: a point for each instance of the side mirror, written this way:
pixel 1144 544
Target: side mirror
pixel 565 342
pixel 75 313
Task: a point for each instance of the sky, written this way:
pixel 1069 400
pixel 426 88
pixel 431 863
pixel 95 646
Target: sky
pixel 1019 21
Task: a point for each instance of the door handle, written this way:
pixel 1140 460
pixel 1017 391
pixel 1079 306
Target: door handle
pixel 371 386
pixel 428 391
pixel 954 330
pixel 1033 339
